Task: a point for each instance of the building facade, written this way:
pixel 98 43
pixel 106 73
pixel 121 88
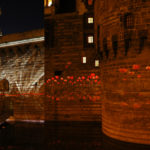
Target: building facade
pixel 73 83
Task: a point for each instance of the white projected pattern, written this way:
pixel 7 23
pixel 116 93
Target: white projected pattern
pixel 25 73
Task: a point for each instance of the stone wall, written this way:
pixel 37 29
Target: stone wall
pixel 5 110
pixel 23 66
pixel 73 88
pixel 124 45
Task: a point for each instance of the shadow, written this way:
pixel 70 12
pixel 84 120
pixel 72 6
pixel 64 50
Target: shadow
pixel 60 136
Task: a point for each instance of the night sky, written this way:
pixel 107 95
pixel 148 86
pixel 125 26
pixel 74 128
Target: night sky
pixel 21 15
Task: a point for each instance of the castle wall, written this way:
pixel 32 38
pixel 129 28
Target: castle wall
pixel 124 43
pixel 22 64
pixel 5 111
pixel 74 95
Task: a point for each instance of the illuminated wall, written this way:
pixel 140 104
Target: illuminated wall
pixel 73 90
pixel 22 64
pixel 124 46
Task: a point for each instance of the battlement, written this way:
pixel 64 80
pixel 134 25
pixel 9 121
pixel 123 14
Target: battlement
pixel 122 40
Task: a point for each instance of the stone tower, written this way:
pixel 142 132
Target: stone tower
pixel 124 43
pixel 72 79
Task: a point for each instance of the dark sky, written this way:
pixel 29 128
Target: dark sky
pixel 21 15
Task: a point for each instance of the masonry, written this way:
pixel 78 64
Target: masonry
pixel 93 66
pixel 22 64
pixel 124 44
pixel 73 87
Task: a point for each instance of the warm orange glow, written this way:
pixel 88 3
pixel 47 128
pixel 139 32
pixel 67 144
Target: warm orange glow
pixel 147 67
pixel 44 2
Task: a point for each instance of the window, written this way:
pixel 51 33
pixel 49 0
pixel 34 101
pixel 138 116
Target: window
pixel 49 3
pixel 128 21
pixel 96 63
pixel 90 20
pixel 90 39
pixel 84 60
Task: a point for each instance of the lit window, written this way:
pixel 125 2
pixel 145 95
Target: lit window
pixel 90 39
pixel 49 3
pixel 90 20
pixel 84 60
pixel 96 63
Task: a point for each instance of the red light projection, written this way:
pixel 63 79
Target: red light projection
pixel 131 73
pixel 90 2
pixel 67 88
pixel 138 76
pixel 136 105
pixel 57 77
pixel 123 70
pixel 83 78
pixel 123 104
pixel 83 87
pixel 136 67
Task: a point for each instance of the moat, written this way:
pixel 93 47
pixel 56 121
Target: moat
pixel 60 136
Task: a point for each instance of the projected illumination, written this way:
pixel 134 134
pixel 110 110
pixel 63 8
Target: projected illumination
pixel 49 3
pixel 39 39
pixel 25 73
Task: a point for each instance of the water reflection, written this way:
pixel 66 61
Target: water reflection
pixel 60 136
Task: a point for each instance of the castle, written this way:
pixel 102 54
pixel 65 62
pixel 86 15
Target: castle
pixel 90 63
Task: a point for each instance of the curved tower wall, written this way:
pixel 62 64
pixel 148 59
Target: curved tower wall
pixel 125 64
